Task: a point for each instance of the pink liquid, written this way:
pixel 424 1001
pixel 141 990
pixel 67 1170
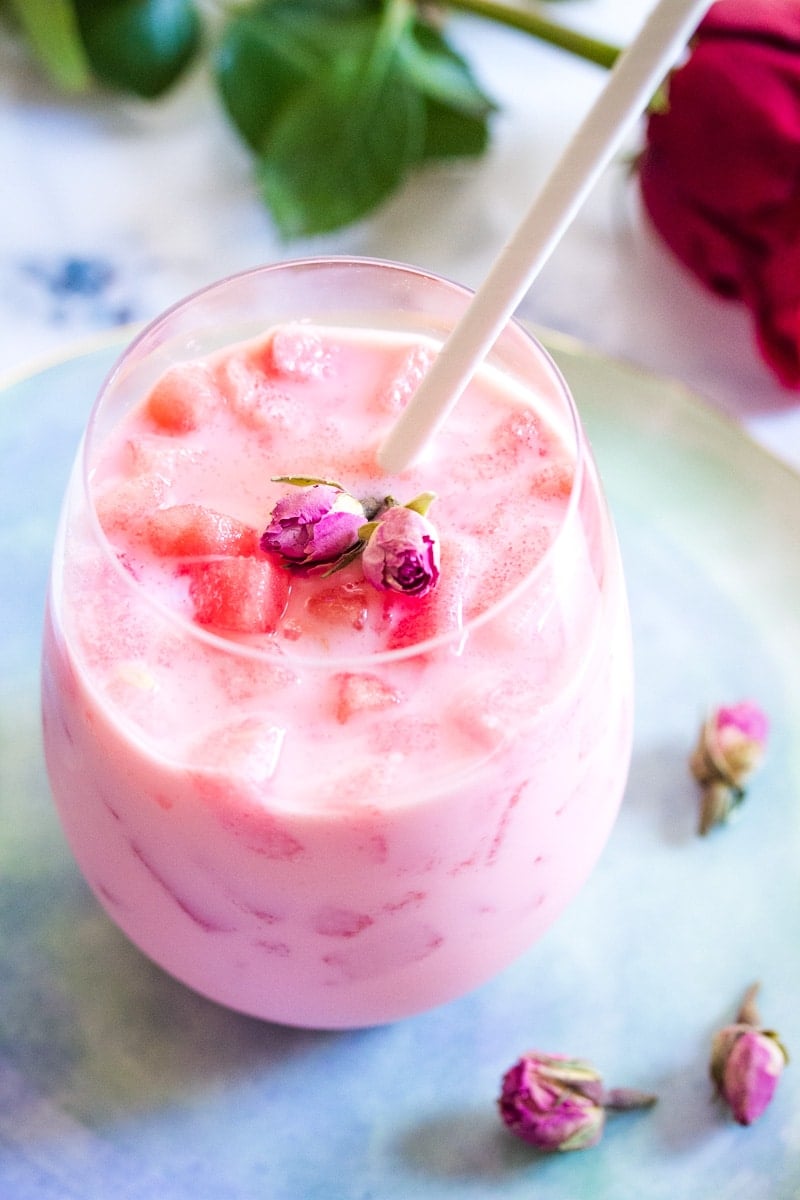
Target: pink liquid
pixel 325 823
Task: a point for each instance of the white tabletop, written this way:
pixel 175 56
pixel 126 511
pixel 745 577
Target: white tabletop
pixel 116 1082
pixel 112 209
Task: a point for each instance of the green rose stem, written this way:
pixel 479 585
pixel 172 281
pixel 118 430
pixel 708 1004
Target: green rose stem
pixel 307 112
pixel 591 49
pixel 579 44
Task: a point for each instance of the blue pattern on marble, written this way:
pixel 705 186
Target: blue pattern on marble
pixel 74 288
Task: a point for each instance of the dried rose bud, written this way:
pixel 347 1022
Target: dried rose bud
pixel 558 1103
pixel 746 1063
pixel 402 551
pixel 730 748
pixel 314 525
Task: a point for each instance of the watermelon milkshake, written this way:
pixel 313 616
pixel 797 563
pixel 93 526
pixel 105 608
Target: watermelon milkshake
pixel 312 792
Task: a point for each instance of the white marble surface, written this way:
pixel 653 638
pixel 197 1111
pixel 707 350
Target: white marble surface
pixel 110 210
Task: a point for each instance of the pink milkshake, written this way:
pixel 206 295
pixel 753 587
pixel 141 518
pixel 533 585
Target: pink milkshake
pixel 313 800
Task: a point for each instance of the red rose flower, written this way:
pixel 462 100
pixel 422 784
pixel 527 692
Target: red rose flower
pixel 720 173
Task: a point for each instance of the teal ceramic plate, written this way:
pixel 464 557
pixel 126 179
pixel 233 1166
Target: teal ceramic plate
pixel 117 1082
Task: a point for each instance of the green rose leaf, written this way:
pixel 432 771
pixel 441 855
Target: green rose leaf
pixel 139 46
pixel 269 53
pixel 271 50
pixel 51 28
pixel 339 150
pixel 442 74
pixel 256 73
pixel 453 134
pixel 457 111
pixel 343 145
pixel 339 99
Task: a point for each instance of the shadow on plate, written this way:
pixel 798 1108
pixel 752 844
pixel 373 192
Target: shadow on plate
pixel 90 1022
pixel 661 790
pixel 464 1145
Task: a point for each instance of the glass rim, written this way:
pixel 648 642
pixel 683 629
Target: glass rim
pixel 271 650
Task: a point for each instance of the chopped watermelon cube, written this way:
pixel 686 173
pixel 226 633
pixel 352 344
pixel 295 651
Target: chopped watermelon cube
pixel 554 480
pixel 125 507
pixel 443 610
pixel 182 399
pixel 154 455
pixel 238 595
pixel 342 603
pixel 248 749
pixel 518 432
pixel 255 398
pixel 414 621
pixel 192 530
pixel 358 692
pixel 298 353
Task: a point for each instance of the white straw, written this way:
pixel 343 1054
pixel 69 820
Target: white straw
pixel 635 76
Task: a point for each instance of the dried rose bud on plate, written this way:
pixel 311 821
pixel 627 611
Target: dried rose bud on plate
pixel 558 1103
pixel 747 1061
pixel 729 749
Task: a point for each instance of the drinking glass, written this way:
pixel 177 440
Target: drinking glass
pixel 279 859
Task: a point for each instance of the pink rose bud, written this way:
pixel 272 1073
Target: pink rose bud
pixel 558 1103
pixel 316 524
pixel 730 748
pixel 402 552
pixel 746 1063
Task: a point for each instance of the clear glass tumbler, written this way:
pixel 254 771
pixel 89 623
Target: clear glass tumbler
pixel 310 830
